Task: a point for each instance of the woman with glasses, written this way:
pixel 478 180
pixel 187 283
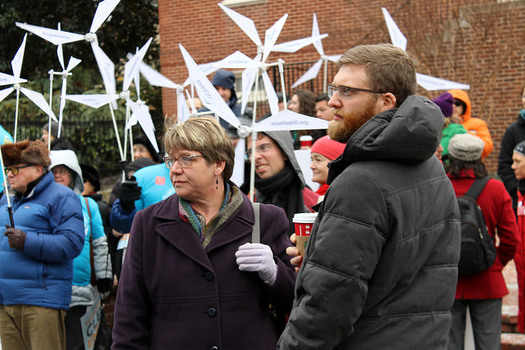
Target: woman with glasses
pixel 278 176
pixel 192 279
pixel 462 110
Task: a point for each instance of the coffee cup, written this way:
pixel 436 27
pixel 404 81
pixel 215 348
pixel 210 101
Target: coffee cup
pixel 303 224
pixel 306 141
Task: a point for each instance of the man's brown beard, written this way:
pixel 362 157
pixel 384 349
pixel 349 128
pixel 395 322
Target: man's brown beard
pixel 352 121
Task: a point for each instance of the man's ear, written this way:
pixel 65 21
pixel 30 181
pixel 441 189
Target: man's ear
pixel 388 101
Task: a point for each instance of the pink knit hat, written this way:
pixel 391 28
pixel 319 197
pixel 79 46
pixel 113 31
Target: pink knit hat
pixel 327 147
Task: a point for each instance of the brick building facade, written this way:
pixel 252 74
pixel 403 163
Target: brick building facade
pixel 479 42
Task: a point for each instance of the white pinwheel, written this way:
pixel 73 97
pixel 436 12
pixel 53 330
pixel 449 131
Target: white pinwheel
pixel 315 39
pixel 284 120
pixel 426 81
pixel 15 81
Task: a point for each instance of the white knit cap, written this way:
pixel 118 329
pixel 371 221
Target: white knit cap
pixel 466 147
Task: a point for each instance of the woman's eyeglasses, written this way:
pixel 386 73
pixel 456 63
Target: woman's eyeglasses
pixel 16 169
pixel 184 161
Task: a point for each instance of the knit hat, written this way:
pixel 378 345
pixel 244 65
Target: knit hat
pixel 520 148
pixel 54 128
pixel 139 164
pixel 327 147
pixel 224 78
pixel 143 140
pixel 445 102
pixel 465 147
pixel 90 173
pixel 26 152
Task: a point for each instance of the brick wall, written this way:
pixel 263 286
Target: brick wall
pixel 478 42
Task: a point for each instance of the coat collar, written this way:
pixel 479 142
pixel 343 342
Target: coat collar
pixel 170 226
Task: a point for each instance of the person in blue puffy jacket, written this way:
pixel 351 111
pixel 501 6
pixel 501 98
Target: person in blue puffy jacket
pixel 37 249
pixel 66 170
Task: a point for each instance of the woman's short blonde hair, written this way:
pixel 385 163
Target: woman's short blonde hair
pixel 204 135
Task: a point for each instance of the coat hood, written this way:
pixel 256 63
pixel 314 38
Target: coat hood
pixel 285 141
pixel 69 159
pixel 410 133
pixel 226 79
pixel 463 96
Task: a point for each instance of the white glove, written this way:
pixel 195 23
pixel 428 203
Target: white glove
pixel 257 257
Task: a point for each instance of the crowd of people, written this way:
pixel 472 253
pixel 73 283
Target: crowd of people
pixel 195 264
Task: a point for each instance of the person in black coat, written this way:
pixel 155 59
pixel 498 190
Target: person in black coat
pixel 514 134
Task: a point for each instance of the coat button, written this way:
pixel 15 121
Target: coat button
pixel 212 312
pixel 214 347
pixel 209 276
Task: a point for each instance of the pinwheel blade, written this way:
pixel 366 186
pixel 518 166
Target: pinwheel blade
pixel 73 62
pixel 238 164
pixel 271 36
pixel 107 70
pixel 432 83
pixel 6 79
pixel 16 63
pixel 103 11
pixel 4 93
pixel 273 101
pixel 40 101
pixel 333 58
pixel 93 100
pixel 236 60
pixel 183 112
pixel 132 66
pixel 248 78
pixel 54 36
pixel 207 93
pixel 296 45
pixel 309 75
pixel 246 24
pixel 144 119
pixel 397 37
pixel 288 120
pixel 315 32
pixel 155 78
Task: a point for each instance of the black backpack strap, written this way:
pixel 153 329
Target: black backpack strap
pixel 477 187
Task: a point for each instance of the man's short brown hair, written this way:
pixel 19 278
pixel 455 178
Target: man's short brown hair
pixel 389 68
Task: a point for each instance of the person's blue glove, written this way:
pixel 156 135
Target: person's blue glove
pixel 257 257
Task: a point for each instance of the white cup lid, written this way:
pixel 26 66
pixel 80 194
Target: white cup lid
pixel 304 217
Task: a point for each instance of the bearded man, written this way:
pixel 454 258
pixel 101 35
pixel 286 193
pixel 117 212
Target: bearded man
pixel 381 265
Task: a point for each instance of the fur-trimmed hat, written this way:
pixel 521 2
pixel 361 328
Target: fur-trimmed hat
pixel 466 147
pixel 26 152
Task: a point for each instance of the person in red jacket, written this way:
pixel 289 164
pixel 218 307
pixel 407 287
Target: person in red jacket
pixel 482 293
pixel 518 165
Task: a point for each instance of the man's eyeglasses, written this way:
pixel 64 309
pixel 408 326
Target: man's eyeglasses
pixel 458 103
pixel 16 169
pixel 184 161
pixel 347 91
pixel 265 147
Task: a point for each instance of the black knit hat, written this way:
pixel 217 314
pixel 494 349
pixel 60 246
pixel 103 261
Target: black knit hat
pixel 90 173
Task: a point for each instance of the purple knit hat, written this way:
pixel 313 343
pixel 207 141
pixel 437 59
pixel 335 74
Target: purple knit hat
pixel 445 101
